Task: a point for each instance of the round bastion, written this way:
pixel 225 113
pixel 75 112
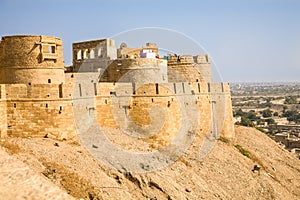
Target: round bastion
pixel 31 59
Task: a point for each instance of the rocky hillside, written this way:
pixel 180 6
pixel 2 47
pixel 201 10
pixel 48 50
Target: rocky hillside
pixel 42 168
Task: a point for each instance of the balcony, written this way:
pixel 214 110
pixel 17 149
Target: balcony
pixel 49 56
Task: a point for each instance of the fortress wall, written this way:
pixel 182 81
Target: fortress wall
pixel 138 113
pixel 189 68
pixel 111 108
pixel 80 85
pixel 32 113
pixel 31 59
pixel 202 64
pixel 3 114
pixel 183 71
pixel 28 118
pixel 222 104
pixel 35 91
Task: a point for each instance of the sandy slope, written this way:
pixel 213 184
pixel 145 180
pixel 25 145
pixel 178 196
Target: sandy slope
pixel 223 174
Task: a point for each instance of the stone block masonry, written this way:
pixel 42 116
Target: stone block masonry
pixel 3 113
pixel 142 95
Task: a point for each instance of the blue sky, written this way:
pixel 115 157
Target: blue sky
pixel 249 40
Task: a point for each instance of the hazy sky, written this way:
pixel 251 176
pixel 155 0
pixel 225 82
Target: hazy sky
pixel 249 40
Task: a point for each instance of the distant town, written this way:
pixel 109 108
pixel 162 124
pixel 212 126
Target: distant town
pixel 272 108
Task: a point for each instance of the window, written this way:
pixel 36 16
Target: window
pixel 49 48
pixel 46 105
pixel 85 54
pixel 92 53
pixel 99 52
pixel 49 80
pixel 79 55
pixel 52 49
pixel 15 105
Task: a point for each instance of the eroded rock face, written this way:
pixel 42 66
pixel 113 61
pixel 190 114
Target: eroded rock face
pixel 224 173
pixel 19 181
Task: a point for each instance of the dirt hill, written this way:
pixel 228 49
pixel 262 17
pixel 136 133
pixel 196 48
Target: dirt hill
pixel 42 168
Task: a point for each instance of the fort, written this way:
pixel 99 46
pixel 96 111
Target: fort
pixel 119 86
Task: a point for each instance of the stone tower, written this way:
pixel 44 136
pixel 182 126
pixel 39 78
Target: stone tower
pixel 29 59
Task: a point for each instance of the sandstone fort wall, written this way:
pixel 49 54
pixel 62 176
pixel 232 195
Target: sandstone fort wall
pixel 143 95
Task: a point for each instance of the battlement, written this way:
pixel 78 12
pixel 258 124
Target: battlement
pixel 82 89
pixel 161 89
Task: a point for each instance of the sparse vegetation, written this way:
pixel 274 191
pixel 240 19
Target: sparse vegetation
pixel 242 150
pixel 291 100
pixel 222 139
pixel 261 129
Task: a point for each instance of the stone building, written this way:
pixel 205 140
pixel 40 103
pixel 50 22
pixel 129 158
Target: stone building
pixel 118 87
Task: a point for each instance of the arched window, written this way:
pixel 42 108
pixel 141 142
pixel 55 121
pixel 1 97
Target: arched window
pixel 79 55
pixel 99 52
pixel 85 54
pixel 92 53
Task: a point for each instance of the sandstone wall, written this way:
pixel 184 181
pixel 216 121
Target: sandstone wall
pixel 38 110
pixel 189 68
pixel 117 105
pixel 3 112
pixel 202 64
pixel 31 59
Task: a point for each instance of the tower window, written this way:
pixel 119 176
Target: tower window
pixel 79 55
pixel 49 80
